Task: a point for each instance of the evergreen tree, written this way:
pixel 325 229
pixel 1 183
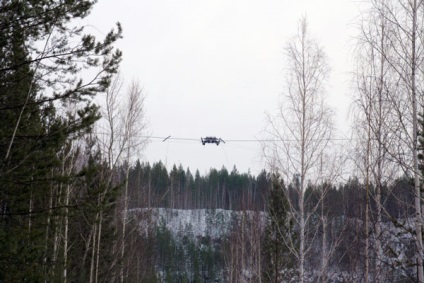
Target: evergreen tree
pixel 40 78
pixel 279 236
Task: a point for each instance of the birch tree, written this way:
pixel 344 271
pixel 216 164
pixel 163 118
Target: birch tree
pixel 122 135
pixel 398 45
pixel 370 82
pixel 134 126
pixel 302 129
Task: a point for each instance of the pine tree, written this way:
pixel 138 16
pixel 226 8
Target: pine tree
pixel 279 236
pixel 37 87
pixel 26 167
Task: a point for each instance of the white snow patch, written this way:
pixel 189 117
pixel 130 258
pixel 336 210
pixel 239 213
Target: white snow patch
pixel 198 222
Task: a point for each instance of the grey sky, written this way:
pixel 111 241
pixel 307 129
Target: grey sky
pixel 214 67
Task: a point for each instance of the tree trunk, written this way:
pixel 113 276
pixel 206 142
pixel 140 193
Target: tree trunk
pixel 124 220
pixel 302 239
pixel 418 217
pixel 324 252
pixel 93 252
pixel 65 236
pixel 99 238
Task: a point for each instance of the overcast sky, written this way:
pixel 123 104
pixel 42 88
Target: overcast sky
pixel 215 67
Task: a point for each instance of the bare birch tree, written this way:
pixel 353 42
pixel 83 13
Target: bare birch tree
pixel 375 118
pixel 399 49
pixel 109 139
pixel 122 135
pixel 134 126
pixel 302 129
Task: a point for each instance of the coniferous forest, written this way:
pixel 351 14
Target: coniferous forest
pixel 79 204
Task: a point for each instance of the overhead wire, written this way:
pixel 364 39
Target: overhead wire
pixel 170 138
pixel 238 140
pixel 231 143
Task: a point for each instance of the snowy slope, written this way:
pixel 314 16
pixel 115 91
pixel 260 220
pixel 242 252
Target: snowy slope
pixel 200 222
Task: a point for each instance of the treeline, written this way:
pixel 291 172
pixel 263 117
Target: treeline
pixel 153 186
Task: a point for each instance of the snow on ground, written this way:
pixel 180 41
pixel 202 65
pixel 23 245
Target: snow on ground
pixel 200 222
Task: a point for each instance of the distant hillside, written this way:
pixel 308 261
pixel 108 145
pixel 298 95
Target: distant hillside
pixel 214 223
pixel 210 244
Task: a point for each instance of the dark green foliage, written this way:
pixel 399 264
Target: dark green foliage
pixel 96 196
pixel 152 185
pixel 159 182
pixel 182 258
pixel 25 173
pixel 280 236
pixel 41 60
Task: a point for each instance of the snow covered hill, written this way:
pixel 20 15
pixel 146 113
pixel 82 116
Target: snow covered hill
pixel 198 222
pixel 217 243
